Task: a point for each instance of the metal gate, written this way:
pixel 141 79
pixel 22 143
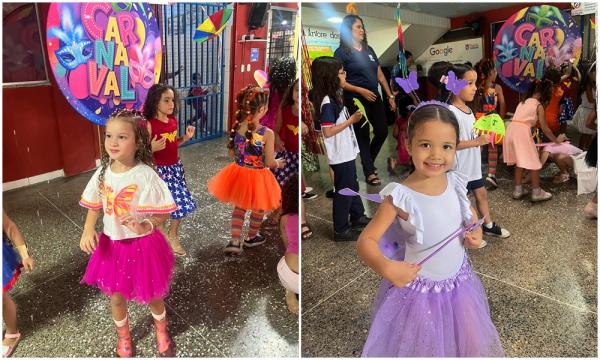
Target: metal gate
pixel 195 70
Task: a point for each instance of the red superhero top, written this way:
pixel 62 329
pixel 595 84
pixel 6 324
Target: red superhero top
pixel 167 130
pixel 289 130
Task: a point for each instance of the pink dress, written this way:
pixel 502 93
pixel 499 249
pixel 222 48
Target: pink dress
pixel 518 146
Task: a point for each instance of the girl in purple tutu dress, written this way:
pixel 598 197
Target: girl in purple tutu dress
pixel 438 308
pixel 131 259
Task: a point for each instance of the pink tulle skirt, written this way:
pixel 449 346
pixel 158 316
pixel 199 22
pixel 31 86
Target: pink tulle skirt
pixel 140 269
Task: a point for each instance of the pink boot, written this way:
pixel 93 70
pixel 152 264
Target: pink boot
pixel 166 346
pixel 124 345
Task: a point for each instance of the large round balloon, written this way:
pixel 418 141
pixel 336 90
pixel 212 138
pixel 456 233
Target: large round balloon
pixel 533 39
pixel 104 56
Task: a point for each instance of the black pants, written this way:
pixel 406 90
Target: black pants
pixel 344 176
pixel 369 149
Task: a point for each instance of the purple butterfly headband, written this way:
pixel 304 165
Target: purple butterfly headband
pixel 452 83
pixel 432 103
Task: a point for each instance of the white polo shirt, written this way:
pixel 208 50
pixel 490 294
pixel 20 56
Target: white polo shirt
pixel 343 146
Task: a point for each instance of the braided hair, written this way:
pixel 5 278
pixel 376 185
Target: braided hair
pixel 483 68
pixel 143 151
pixel 248 101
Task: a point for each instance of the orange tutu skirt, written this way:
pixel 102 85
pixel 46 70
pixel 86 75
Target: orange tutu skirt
pixel 246 188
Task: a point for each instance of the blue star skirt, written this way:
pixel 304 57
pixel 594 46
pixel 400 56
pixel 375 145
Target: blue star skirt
pixel 174 176
pixel 290 168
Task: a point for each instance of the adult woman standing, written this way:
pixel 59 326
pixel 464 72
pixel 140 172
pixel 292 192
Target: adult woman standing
pixel 363 74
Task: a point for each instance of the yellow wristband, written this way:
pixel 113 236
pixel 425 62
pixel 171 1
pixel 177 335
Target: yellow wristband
pixel 22 249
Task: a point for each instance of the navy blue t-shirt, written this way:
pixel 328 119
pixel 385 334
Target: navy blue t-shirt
pixel 361 67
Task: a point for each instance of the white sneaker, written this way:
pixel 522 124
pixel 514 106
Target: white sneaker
pixel 540 195
pixel 483 244
pixel 517 195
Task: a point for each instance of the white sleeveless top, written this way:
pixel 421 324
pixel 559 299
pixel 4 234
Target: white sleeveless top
pixel 431 219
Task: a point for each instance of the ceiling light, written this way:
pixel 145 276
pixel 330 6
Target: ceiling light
pixel 335 20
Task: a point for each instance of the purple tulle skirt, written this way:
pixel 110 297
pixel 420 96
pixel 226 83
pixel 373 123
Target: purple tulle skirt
pixel 448 318
pixel 140 269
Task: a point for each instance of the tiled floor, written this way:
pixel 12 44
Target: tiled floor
pixel 218 307
pixel 541 282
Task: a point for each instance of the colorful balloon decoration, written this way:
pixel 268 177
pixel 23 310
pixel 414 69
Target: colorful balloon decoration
pixel 533 39
pixel 103 55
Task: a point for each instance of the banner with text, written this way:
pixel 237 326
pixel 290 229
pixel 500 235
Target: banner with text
pixel 321 41
pixel 456 52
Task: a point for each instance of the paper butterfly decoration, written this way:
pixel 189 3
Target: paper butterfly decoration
pixel 491 124
pixel 453 84
pixel 121 202
pixel 409 84
pixel 361 107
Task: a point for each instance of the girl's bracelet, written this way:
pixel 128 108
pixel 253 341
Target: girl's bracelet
pixel 22 249
pixel 151 224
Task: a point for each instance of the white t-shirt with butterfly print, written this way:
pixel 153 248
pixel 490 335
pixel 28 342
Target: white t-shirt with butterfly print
pixel 139 192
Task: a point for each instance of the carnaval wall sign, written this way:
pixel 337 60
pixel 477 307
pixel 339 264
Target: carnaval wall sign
pixel 533 39
pixel 103 55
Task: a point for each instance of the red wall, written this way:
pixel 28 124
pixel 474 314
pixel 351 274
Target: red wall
pixel 487 18
pixel 41 132
pixel 240 52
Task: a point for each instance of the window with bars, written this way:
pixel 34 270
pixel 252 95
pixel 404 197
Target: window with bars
pixel 281 35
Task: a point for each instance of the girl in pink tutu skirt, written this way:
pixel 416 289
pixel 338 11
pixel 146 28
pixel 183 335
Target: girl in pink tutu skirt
pixel 131 259
pixel 438 308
